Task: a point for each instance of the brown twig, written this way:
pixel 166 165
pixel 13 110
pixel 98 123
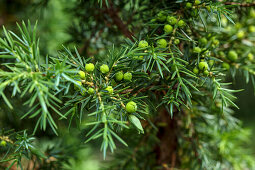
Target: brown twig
pixel 240 4
pixel 113 14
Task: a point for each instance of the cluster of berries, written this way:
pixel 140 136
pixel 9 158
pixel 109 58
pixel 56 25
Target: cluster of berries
pixel 104 69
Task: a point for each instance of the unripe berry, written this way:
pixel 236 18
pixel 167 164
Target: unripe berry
pixel 232 55
pixel 203 41
pixel 197 50
pixel 250 57
pixel 143 44
pixel 82 74
pixel 119 76
pixel 195 70
pixel 181 23
pixel 128 76
pixel 138 57
pixel 222 54
pixel 203 65
pixel 211 62
pixel 161 17
pixel 224 21
pixel 171 20
pixel 215 42
pixel 206 72
pixel 208 8
pixel 83 92
pixel 188 5
pixel 176 41
pixel 76 87
pixel 89 67
pixel 226 66
pixel 131 107
pixel 252 28
pixel 197 2
pixel 162 43
pixel 240 34
pixel 238 25
pixel 252 13
pixel 153 20
pixel 3 143
pixel 104 68
pixel 168 28
pixel 109 89
pixel 91 91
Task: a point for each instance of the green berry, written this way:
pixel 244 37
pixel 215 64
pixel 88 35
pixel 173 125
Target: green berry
pixel 222 54
pixel 238 25
pixel 252 13
pixel 197 2
pixel 203 65
pixel 82 74
pixel 83 92
pixel 197 50
pixel 91 91
pixel 161 16
pixel 76 87
pixel 3 143
pixel 104 68
pixel 206 72
pixel 215 42
pixel 176 41
pixel 168 28
pixel 226 66
pixel 162 43
pixel 232 55
pixel 143 44
pixel 251 28
pixel 188 5
pixel 203 41
pixel 140 57
pixel 211 62
pixel 195 70
pixel 131 107
pixel 208 8
pixel 128 76
pixel 109 89
pixel 153 20
pixel 240 34
pixel 89 67
pixel 224 21
pixel 250 57
pixel 119 76
pixel 181 23
pixel 171 20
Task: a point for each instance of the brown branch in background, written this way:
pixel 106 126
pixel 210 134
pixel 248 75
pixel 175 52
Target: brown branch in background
pixel 240 4
pixel 113 14
pixel 88 41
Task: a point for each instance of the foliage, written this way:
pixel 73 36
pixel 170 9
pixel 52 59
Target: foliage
pixel 165 88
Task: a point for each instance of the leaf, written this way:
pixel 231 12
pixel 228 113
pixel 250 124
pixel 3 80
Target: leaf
pixel 135 121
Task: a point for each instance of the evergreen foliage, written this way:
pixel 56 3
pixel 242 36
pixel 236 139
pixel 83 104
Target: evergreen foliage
pixel 157 99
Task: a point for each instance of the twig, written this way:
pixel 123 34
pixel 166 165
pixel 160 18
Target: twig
pixel 113 14
pixel 240 4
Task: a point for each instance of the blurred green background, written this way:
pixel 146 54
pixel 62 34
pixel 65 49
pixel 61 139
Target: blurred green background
pixel 246 103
